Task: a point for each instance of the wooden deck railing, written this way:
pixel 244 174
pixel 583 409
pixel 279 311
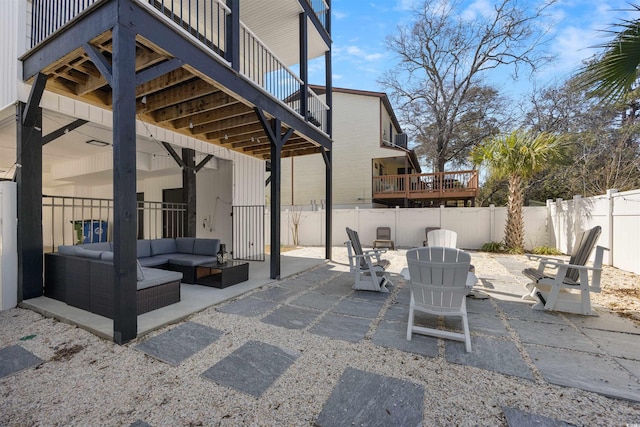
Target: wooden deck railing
pixel 439 185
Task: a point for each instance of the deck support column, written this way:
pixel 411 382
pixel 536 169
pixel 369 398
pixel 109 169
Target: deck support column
pixel 189 187
pixel 273 129
pixel 29 185
pixel 327 156
pixel 125 319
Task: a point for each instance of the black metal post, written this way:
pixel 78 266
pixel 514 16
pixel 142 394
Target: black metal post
pixel 125 319
pixel 328 155
pixel 29 183
pixel 189 188
pixel 304 66
pixel 232 53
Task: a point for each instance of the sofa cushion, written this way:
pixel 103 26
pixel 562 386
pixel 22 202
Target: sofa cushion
pixel 191 260
pixel 152 261
pixel 163 246
pixel 139 272
pixel 98 246
pixel 206 246
pixel 143 248
pixel 106 256
pixel 185 244
pixel 155 277
pixel 79 251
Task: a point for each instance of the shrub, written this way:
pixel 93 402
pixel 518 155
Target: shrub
pixel 545 250
pixel 494 247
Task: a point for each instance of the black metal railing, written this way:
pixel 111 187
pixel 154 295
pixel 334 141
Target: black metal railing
pixel 47 16
pixel 73 220
pixel 321 9
pixel 248 233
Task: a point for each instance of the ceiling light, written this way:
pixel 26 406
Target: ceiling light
pixel 190 124
pixel 144 99
pixel 97 143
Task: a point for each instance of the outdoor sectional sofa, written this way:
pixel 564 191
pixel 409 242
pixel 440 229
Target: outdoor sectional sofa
pixel 82 275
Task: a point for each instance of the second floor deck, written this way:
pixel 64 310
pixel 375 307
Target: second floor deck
pixel 204 66
pixel 426 187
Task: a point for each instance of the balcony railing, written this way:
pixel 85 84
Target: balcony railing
pixel 321 9
pixel 206 22
pixel 439 185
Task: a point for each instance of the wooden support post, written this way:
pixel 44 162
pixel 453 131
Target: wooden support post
pixel 189 189
pixel 125 319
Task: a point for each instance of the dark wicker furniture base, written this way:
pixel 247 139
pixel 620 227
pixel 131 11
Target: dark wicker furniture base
pixel 222 275
pixel 88 284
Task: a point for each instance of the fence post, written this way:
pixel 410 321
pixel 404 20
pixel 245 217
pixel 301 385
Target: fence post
pixel 550 227
pixel 562 226
pixel 441 214
pixel 610 208
pixel 395 229
pixel 578 223
pixel 357 212
pixel 492 221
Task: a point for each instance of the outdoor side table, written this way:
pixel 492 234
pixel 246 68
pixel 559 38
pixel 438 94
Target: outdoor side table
pixel 222 275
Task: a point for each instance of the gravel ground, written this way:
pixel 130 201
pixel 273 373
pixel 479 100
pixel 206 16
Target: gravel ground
pixel 87 381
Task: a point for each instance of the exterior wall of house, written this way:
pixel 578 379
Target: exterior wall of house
pixel 357 139
pixel 9 49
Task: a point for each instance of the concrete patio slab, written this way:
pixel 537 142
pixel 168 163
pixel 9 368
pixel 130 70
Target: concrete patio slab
pixel 585 371
pixel 397 313
pixel 633 366
pixel 553 335
pixel 480 306
pixel 273 293
pixel 340 327
pixel 14 359
pixel 179 343
pixel 252 368
pixel 365 399
pixel 394 335
pixel 335 287
pixel 605 321
pixel 517 418
pixel 291 317
pixel 489 353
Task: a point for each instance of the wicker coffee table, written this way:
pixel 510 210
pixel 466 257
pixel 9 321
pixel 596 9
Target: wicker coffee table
pixel 222 275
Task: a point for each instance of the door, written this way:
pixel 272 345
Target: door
pixel 173 213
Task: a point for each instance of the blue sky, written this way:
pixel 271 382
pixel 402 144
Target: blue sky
pixel 359 28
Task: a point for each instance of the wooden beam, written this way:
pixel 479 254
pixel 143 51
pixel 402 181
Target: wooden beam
pixel 32 112
pixel 173 154
pixel 190 90
pixel 225 124
pixel 156 71
pixel 100 63
pixel 203 162
pixel 233 110
pixel 170 79
pixel 198 105
pixel 189 189
pixel 240 130
pixel 62 131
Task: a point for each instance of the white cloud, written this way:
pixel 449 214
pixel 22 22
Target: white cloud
pixel 355 51
pixel 337 14
pixel 479 7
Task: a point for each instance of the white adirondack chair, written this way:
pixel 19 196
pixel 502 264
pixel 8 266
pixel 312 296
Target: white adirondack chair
pixel 368 267
pixel 570 288
pixel 438 284
pixel 442 238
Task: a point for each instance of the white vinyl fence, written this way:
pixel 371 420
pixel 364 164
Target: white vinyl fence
pixel 475 226
pixel 617 213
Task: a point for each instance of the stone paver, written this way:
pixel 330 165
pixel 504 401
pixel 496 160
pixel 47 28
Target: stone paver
pixel 394 335
pixel 341 327
pixel 365 399
pixel 359 308
pixel 491 354
pixel 553 335
pixel 616 343
pixel 316 300
pixel 252 368
pixel 15 359
pixel 248 307
pixel 179 343
pixel 585 371
pixel 519 418
pixel 292 317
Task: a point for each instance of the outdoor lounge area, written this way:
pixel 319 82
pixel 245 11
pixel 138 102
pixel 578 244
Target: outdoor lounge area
pixel 310 350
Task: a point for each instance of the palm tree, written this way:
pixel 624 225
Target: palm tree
pixel 612 76
pixel 517 156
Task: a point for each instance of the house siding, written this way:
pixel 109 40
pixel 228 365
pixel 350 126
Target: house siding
pixel 357 139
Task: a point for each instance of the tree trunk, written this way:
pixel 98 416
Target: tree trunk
pixel 514 228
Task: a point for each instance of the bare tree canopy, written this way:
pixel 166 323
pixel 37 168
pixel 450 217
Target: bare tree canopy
pixel 444 56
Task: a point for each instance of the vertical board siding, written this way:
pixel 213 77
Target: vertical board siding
pixel 9 26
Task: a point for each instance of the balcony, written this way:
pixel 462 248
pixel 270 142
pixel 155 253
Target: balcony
pixel 187 98
pixel 426 188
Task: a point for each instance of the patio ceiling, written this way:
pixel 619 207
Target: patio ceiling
pixel 182 100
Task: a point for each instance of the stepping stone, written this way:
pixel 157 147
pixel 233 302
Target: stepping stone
pixel 358 308
pixel 553 335
pixel 248 307
pixel 341 327
pixel 274 293
pixel 365 399
pixel 14 359
pixel 394 335
pixel 316 300
pixel 518 418
pixel 252 368
pixel 292 317
pixel 397 313
pixel 491 354
pixel 139 423
pixel 179 343
pixel 336 287
pixel 590 372
pixel 487 324
pixel 522 310
pixel 616 343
